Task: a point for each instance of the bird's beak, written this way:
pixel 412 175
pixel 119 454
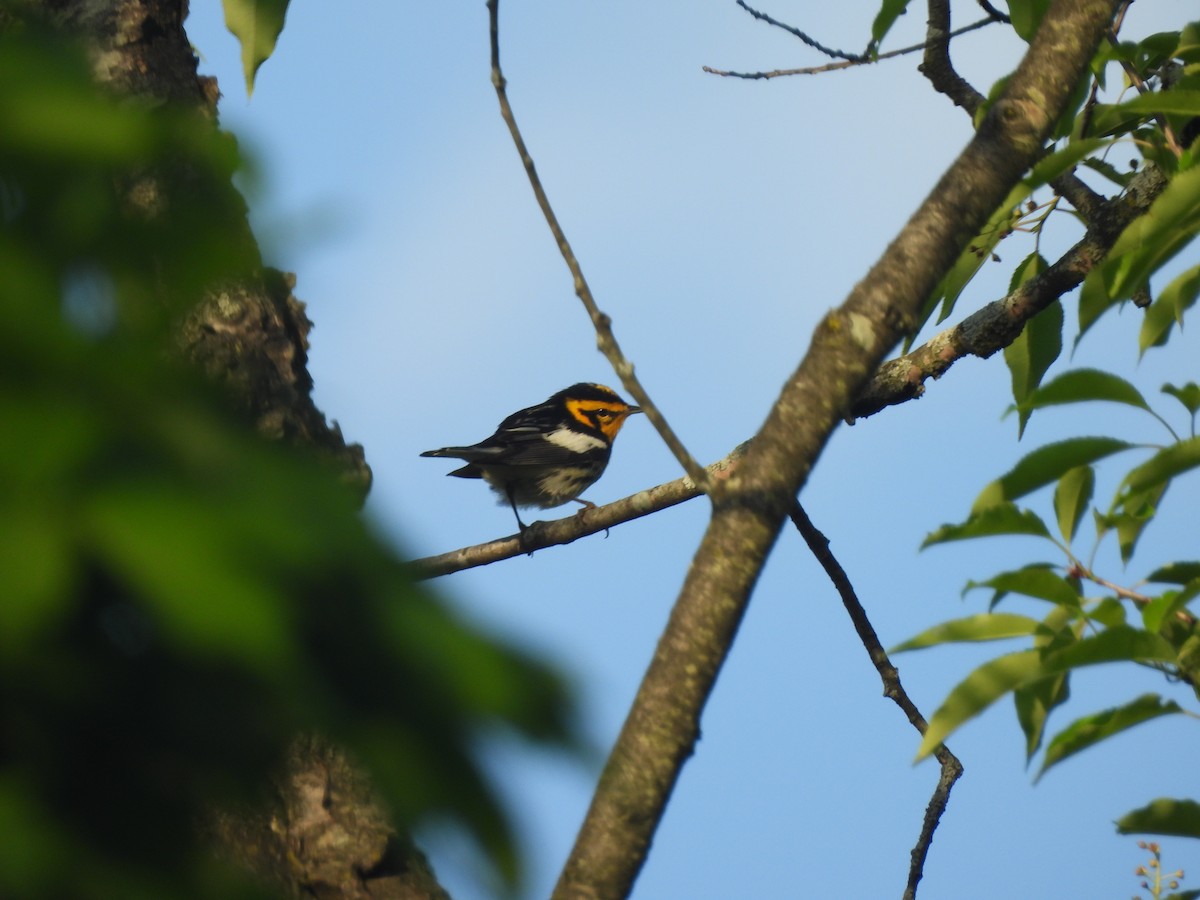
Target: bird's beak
pixel 633 409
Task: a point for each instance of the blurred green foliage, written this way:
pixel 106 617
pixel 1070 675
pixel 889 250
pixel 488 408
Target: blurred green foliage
pixel 179 598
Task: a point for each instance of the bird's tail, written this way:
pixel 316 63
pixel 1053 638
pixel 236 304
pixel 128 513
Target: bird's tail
pixel 470 470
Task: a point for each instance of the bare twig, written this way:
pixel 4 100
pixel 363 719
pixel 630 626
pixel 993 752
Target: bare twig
pixel 606 341
pixel 892 689
pixel 992 11
pixel 820 48
pixel 846 63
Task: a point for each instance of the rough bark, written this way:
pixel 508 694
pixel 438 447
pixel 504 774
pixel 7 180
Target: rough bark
pixel 250 334
pixel 323 834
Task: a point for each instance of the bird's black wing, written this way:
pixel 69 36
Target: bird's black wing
pixel 528 446
pixel 521 441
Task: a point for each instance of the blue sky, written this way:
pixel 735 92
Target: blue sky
pixel 716 220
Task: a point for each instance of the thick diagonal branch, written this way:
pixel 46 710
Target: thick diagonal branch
pixel 750 507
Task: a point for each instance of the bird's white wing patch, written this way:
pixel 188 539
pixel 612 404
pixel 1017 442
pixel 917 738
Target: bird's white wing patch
pixel 575 441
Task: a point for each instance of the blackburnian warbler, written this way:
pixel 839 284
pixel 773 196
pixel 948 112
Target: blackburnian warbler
pixel 548 454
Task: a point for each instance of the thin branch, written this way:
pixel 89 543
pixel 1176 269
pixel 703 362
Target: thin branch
pixel 563 531
pixel 606 341
pixel 1137 599
pixel 892 688
pixel 820 48
pixel 996 325
pixel 845 64
pixel 936 65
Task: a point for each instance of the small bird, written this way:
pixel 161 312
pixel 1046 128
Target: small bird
pixel 547 454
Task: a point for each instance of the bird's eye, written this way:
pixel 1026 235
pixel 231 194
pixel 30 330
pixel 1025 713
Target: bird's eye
pixel 604 413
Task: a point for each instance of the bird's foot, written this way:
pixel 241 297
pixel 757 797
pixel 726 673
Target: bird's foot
pixel 588 506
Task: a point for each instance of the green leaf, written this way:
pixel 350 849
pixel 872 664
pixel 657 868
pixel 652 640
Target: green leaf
pixel 1034 581
pixel 1094 301
pixel 1115 120
pixel 1005 518
pixel 1188 395
pixel 1163 816
pixel 981 248
pixel 1151 52
pixel 1172 102
pixel 1037 346
pixel 1156 612
pixel 1168 308
pixel 979 627
pixel 1188 49
pixel 1034 703
pixel 1133 513
pixel 1122 643
pixel 995 678
pixel 1086 385
pixel 1072 496
pixel 977 692
pixel 1109 612
pixel 1109 171
pixel 889 12
pixel 1063 160
pixel 1044 465
pixel 1188 660
pixel 1090 730
pixel 1163 466
pixel 1027 16
pixel 1152 239
pixel 257 24
pixel 1176 573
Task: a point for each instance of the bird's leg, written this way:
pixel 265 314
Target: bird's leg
pixel 587 504
pixel 513 503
